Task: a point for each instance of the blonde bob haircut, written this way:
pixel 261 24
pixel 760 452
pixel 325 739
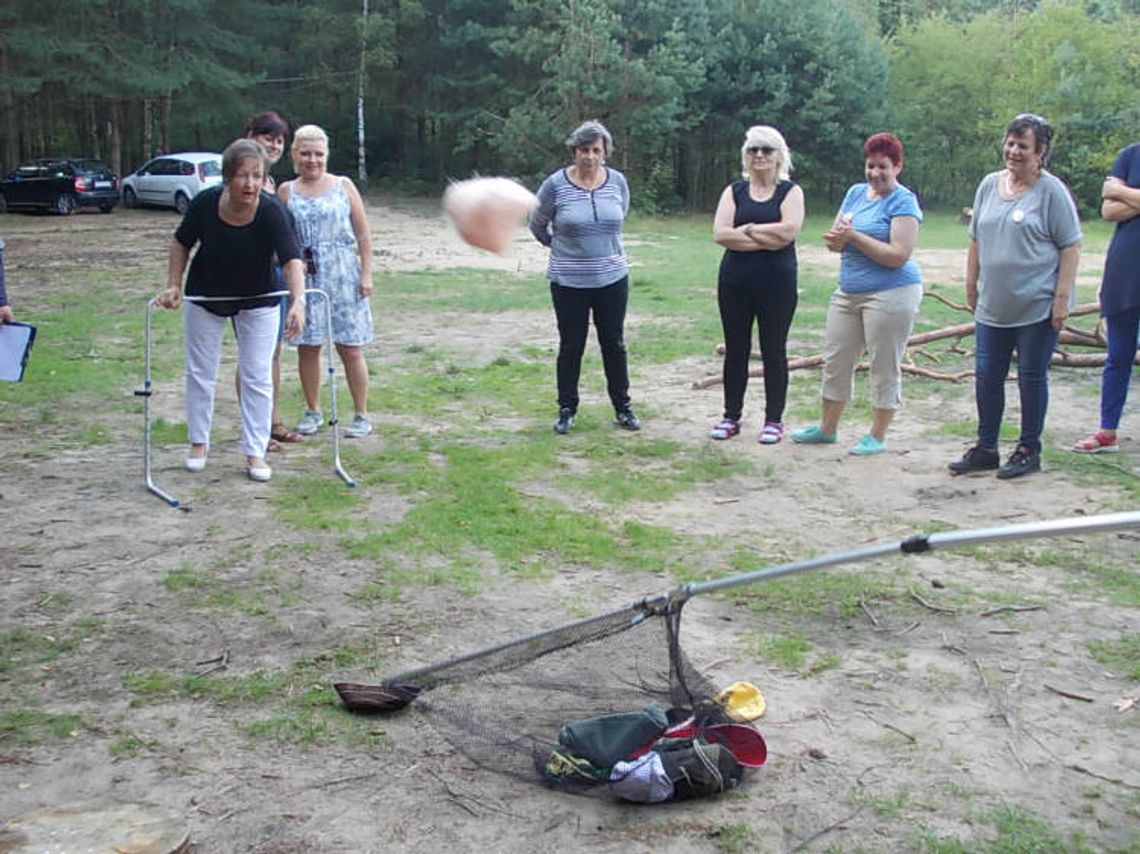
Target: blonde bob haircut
pixel 309 133
pixel 760 135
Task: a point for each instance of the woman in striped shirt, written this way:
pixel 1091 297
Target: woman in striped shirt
pixel 581 209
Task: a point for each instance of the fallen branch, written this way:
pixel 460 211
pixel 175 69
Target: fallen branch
pixel 1011 608
pixel 1068 694
pixel 826 830
pixel 1082 770
pixel 935 608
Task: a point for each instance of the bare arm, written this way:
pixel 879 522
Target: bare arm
pixel 177 258
pixel 1121 202
pixel 1066 279
pixel 904 235
pixel 359 221
pixel 294 271
pixel 972 275
pixel 752 237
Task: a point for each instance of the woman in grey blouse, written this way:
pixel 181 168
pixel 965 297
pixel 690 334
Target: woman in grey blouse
pixel 581 209
pixel 1025 242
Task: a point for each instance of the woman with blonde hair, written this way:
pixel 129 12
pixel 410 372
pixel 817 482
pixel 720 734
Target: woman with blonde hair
pixel 337 247
pixel 757 221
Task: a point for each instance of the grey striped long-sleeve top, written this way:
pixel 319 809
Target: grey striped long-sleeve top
pixel 583 229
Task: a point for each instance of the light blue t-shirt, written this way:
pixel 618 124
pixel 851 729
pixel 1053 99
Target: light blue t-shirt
pixel 858 274
pixel 1019 249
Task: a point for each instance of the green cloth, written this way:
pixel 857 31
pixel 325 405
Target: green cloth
pixel 606 740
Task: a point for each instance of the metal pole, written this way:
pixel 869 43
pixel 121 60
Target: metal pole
pixel 927 542
pixel 333 419
pixel 145 393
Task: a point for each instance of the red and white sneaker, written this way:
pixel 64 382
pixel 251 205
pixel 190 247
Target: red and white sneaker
pixel 1098 443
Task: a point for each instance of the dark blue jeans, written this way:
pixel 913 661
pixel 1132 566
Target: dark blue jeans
pixel 1122 329
pixel 995 346
pixel 572 308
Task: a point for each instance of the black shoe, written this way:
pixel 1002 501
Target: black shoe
pixel 565 421
pixel 1022 461
pixel 626 419
pixel 976 459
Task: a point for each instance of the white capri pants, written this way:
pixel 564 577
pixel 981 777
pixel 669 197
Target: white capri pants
pixel 256 332
pixel 880 323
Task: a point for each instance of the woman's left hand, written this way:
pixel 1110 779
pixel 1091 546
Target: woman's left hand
pixel 1060 311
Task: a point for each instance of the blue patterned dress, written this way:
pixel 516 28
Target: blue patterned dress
pixel 324 225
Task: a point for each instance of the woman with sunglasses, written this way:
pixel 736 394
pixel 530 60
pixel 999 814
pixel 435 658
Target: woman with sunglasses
pixel 879 292
pixel 757 221
pixel 1025 243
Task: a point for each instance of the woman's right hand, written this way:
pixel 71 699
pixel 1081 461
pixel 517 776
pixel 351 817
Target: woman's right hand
pixel 169 298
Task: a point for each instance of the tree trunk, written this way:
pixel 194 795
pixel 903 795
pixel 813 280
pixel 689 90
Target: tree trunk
pixel 114 132
pixel 361 165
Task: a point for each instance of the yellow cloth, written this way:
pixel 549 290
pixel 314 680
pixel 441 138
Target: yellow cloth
pixel 742 701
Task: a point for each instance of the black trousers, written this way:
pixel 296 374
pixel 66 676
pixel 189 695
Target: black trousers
pixel 771 303
pixel 572 308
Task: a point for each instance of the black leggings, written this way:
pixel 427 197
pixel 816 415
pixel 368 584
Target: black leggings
pixel 572 307
pixel 771 301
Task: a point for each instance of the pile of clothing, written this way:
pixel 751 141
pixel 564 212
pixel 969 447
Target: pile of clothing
pixel 654 755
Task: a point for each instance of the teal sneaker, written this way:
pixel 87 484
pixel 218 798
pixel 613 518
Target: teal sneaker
pixel 813 436
pixel 868 446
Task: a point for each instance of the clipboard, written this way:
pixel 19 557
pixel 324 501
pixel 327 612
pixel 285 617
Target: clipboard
pixel 16 341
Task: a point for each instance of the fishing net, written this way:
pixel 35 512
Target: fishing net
pixel 503 706
pixel 507 706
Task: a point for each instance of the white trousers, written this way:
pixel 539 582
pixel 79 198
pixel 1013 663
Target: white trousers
pixel 256 331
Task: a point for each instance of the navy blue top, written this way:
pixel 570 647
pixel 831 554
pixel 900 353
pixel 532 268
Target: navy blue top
pixel 1120 289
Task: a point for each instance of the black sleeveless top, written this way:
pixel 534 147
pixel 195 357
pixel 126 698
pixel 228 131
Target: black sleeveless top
pixel 764 262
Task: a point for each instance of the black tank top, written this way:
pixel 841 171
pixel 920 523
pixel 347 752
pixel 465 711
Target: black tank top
pixel 764 261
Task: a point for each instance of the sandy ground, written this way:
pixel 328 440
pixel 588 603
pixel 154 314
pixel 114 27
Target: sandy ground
pixel 932 719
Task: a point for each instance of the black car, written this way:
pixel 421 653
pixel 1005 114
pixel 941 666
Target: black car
pixel 60 184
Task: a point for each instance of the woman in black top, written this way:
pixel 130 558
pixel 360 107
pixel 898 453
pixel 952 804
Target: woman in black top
pixel 237 230
pixel 756 222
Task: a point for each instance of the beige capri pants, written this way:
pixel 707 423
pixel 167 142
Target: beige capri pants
pixel 880 323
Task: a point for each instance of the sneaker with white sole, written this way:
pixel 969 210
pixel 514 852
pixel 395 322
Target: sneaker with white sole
pixel 359 427
pixel 310 422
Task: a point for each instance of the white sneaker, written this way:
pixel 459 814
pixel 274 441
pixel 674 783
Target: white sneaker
pixel 310 422
pixel 359 427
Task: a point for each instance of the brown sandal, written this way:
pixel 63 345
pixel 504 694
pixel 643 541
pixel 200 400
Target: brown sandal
pixel 281 433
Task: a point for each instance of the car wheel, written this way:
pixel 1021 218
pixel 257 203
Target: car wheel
pixel 181 203
pixel 130 200
pixel 3 204
pixel 64 204
pixel 105 208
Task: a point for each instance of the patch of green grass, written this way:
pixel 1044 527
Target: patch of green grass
pixel 320 503
pixel 826 592
pixel 1014 831
pixel 296 705
pixel 22 648
pixel 163 432
pixel 27 727
pixel 1122 655
pixel 733 838
pixel 792 652
pixel 126 746
pixel 476 507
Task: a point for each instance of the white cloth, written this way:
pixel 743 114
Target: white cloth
pixel 643 780
pixel 256 331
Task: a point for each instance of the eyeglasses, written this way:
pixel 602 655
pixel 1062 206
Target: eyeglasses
pixel 760 149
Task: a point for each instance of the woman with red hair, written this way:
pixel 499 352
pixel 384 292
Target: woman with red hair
pixel 879 292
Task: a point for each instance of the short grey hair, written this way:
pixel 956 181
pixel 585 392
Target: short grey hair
pixel 587 132
pixel 239 150
pixel 309 133
pixel 758 135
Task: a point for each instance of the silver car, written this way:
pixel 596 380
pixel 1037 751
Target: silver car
pixel 172 180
